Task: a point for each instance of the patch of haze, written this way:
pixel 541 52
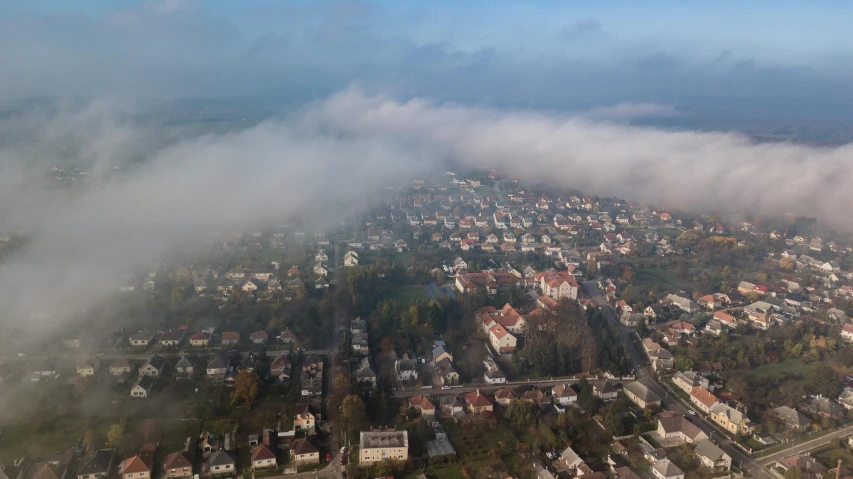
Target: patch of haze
pixel 683 169
pixel 257 177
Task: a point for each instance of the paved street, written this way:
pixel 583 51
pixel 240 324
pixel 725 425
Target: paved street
pixel 466 388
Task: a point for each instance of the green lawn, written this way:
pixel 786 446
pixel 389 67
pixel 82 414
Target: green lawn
pixel 786 368
pixel 659 278
pixel 404 295
pixel 39 441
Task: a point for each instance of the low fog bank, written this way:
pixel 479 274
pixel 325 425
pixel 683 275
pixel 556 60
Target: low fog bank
pixel 689 170
pixel 84 240
pixel 343 151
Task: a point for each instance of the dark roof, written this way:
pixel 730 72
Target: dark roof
pixel 221 458
pixel 157 361
pixel 176 460
pixel 97 463
pixel 303 446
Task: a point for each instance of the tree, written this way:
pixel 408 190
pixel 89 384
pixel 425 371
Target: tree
pixel 591 267
pixel 613 419
pixel 353 413
pixel 341 382
pixel 520 413
pixel 248 385
pixel 266 419
pixel 115 433
pixel 824 380
pixel 683 363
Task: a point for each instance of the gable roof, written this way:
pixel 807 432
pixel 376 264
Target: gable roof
pixel 304 446
pixel 261 452
pixel 703 396
pixel 176 460
pixel 221 458
pixel 135 464
pixel 667 469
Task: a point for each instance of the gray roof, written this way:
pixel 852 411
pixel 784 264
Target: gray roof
pixel 221 458
pixel 570 457
pixel 792 417
pixel 641 391
pixel 710 450
pixel 667 469
pixel 184 363
pixel 440 447
pixel 368 439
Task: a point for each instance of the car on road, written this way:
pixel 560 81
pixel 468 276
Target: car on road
pixel 446 388
pixel 344 450
pixel 99 354
pixel 692 412
pixel 328 457
pixel 21 355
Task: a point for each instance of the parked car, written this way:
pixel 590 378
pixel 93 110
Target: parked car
pixel 446 388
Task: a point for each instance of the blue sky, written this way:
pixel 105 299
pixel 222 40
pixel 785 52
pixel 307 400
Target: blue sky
pixel 537 53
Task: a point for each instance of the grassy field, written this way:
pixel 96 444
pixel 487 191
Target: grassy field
pixel 404 295
pixel 654 278
pixel 39 441
pixel 786 368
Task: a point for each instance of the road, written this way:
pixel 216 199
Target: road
pixel 806 446
pixel 207 352
pixel 739 457
pixel 485 387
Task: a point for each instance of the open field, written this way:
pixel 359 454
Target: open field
pixel 786 368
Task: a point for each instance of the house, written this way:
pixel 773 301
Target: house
pixel 172 338
pixel 681 327
pixel 153 367
pixel 666 469
pixel 142 388
pixel 376 446
pixel 141 339
pixel 759 314
pixel 365 374
pixel 230 337
pixel 350 259
pixel 674 427
pixel 281 367
pixel 641 395
pixel 731 419
pixel 440 352
pixel 477 403
pixel 259 337
pixel 313 363
pixel 176 465
pixel 535 397
pixel 360 343
pixel 847 332
pixel 563 394
pixel 200 340
pixel 501 340
pixel 95 466
pixel 217 368
pixel 262 457
pixel 725 319
pixel 505 396
pixel 558 284
pixel 137 467
pixel 603 390
pixel 422 405
pixel 184 367
pixel 221 462
pixel 406 369
pixel 287 337
pixel 304 419
pixel 304 452
pixel 446 373
pixel 493 374
pixel 249 287
pixel 823 406
pixel 684 304
pixel 792 418
pixel 88 366
pixel 702 398
pixel 119 367
pixel 811 468
pixel 686 381
pixel 570 458
pixel 714 327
